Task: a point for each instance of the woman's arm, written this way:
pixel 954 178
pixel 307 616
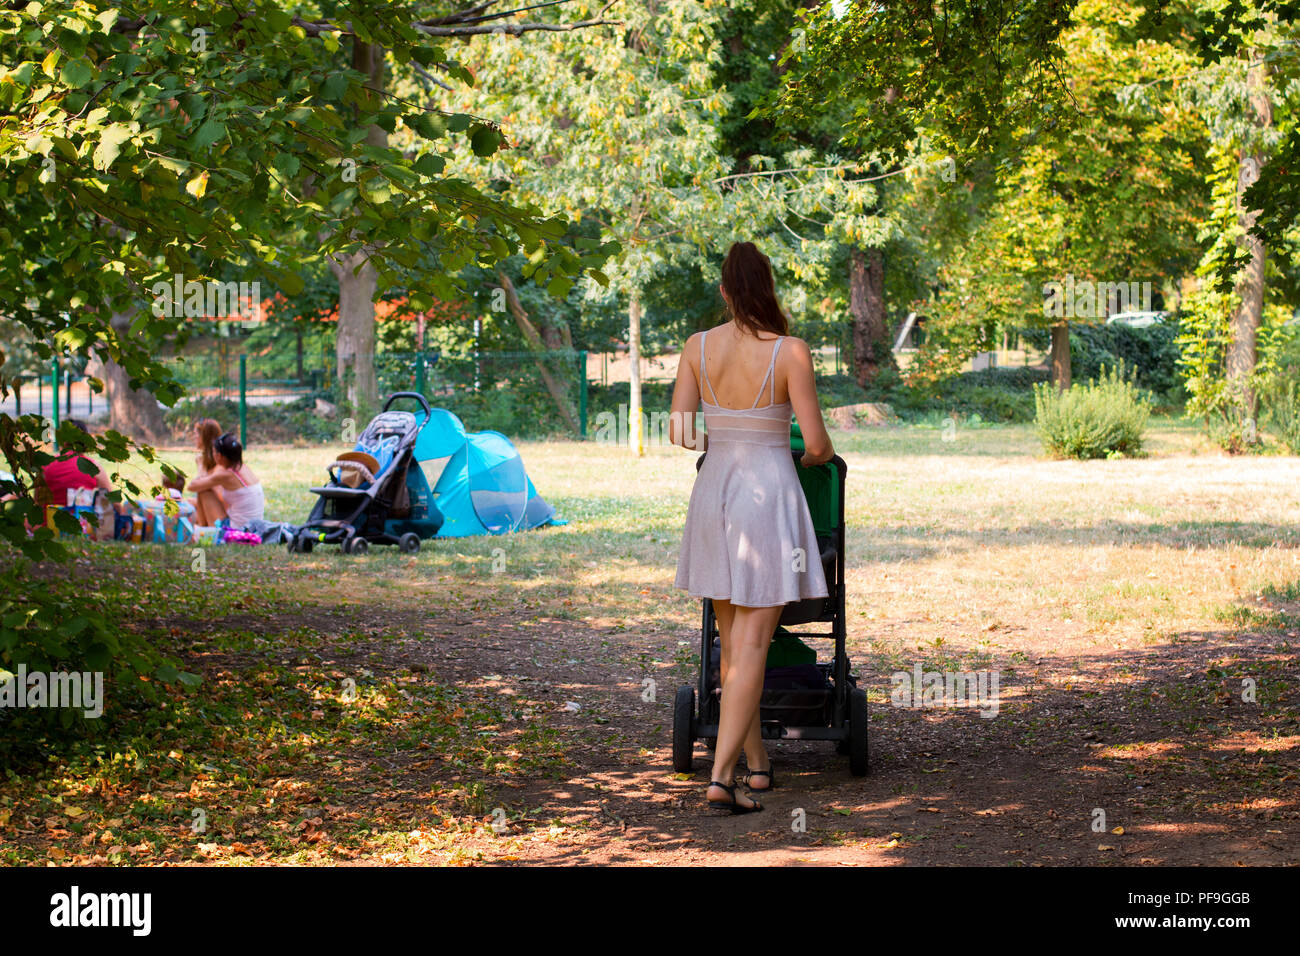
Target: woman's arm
pixel 686 401
pixel 803 397
pixel 216 478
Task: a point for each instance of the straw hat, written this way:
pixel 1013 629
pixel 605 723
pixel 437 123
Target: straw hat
pixel 352 477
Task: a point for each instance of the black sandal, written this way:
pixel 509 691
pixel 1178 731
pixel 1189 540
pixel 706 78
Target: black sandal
pixel 733 806
pixel 771 779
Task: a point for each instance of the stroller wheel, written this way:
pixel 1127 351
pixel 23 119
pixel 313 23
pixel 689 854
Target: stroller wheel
pixel 409 543
pixel 356 546
pixel 858 732
pixel 683 729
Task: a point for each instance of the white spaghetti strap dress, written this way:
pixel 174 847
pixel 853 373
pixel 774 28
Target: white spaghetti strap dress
pixel 749 537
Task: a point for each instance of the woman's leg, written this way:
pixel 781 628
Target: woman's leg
pixel 751 633
pixel 208 509
pixel 755 750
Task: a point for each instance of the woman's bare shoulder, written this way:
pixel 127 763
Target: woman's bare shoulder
pixel 796 346
pixel 695 337
pixel 691 349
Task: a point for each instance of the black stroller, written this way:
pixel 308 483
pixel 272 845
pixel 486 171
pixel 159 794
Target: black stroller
pixel 825 704
pixel 373 494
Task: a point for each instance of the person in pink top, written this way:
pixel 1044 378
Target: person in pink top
pixel 242 499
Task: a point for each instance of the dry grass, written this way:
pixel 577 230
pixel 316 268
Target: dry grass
pixel 978 543
pixel 974 540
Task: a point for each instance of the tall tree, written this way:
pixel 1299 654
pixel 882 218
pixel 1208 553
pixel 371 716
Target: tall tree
pixel 766 40
pixel 629 143
pixel 1247 96
pixel 356 272
pixel 144 142
pixel 1095 183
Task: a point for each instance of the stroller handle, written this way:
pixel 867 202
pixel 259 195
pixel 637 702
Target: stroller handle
pixel 424 403
pixel 835 462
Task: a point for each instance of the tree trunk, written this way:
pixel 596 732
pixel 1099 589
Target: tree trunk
pixel 1242 349
pixel 131 411
pixel 355 348
pixel 1061 355
pixel 556 335
pixel 553 385
pixel 635 435
pixel 872 351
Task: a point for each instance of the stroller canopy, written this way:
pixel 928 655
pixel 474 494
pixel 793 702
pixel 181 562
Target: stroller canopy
pixel 386 433
pixel 478 480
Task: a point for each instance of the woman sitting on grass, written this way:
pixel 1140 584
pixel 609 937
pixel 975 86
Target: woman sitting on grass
pixel 208 506
pixel 241 500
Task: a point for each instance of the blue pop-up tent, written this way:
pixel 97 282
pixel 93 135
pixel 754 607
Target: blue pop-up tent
pixel 478 480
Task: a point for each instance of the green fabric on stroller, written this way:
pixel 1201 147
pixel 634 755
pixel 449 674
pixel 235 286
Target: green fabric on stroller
pixel 821 487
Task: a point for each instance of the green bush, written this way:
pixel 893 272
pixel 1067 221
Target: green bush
pixel 990 395
pixel 1282 411
pixel 1277 378
pixel 1152 353
pixel 836 390
pixel 1103 419
pixel 284 423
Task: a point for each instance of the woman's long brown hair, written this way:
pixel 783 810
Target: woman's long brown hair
pixel 751 290
pixel 208 430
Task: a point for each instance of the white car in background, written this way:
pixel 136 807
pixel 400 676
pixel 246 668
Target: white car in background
pixel 1137 320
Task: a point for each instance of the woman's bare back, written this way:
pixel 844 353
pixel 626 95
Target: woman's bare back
pixel 737 363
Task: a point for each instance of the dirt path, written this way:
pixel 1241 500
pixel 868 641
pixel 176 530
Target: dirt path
pixel 1157 739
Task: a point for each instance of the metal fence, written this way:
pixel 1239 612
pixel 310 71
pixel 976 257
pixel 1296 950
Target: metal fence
pixel 522 393
pixel 61 392
pixel 525 394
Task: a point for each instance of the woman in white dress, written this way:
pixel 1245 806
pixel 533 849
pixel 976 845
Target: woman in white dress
pixel 748 519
